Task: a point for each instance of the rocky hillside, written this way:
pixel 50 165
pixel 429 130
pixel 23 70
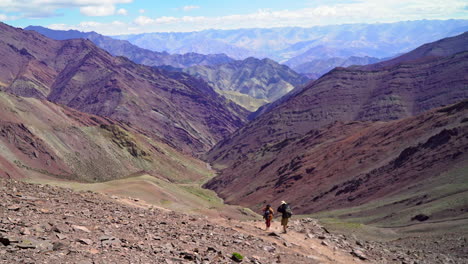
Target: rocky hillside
pixel 349 164
pixel 175 108
pixel 264 80
pixel 337 138
pixel 126 233
pixel 46 224
pixel 138 55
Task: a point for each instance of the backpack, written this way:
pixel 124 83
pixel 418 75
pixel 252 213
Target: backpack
pixel 287 211
pixel 266 214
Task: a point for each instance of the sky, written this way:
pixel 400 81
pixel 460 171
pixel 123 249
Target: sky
pixel 118 17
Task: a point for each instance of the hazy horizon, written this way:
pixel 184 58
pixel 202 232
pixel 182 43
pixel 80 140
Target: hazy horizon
pixel 251 28
pixel 122 17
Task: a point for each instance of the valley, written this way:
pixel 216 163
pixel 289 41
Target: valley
pixel 264 81
pixel 115 151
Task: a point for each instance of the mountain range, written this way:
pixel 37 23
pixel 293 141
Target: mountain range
pixel 251 82
pixel 314 68
pixel 138 55
pixel 174 108
pixel 282 44
pixel 311 51
pixel 355 135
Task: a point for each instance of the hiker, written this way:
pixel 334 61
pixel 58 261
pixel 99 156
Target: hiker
pixel 268 215
pixel 286 213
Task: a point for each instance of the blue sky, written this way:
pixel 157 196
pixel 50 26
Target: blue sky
pixel 113 17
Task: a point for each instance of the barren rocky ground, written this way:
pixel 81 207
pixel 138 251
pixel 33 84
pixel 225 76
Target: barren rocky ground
pixel 46 224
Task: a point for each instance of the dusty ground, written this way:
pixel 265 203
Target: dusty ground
pixel 49 224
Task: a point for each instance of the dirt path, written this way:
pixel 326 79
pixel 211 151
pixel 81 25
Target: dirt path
pixel 292 242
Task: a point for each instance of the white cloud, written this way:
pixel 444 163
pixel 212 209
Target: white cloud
pixel 60 26
pixel 362 11
pixel 142 21
pixel 90 24
pixel 4 17
pixel 44 8
pixel 190 7
pixel 122 11
pixel 97 10
pixel 142 11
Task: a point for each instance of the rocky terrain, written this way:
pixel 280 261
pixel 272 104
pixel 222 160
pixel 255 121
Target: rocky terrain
pixel 41 224
pixel 138 55
pixel 264 80
pixel 46 224
pixel 175 108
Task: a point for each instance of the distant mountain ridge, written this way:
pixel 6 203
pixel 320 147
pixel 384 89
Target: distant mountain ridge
pixel 319 67
pixel 441 48
pixel 118 47
pixel 264 80
pixel 283 44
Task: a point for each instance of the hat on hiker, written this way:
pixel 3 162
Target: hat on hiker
pixel 283 202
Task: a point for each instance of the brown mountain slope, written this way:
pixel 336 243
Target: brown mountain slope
pixel 347 94
pixel 180 110
pixel 41 139
pixel 422 159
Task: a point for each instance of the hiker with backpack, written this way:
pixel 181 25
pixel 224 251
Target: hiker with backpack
pixel 268 216
pixel 286 213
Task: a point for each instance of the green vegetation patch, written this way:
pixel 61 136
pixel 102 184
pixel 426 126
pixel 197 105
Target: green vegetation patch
pixel 237 257
pixel 204 194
